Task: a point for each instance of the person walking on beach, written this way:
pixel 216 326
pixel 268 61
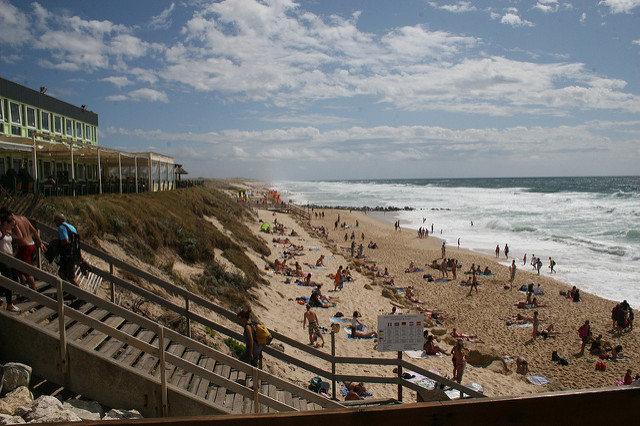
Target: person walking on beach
pixel 337 279
pixel 506 251
pixel 497 250
pixel 584 332
pixel 459 360
pixel 539 265
pixel 552 264
pixel 474 283
pixel 314 329
pixel 524 259
pixel 443 249
pixel 512 272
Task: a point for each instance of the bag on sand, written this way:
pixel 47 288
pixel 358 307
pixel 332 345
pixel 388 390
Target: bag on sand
pixel 263 337
pixel 555 356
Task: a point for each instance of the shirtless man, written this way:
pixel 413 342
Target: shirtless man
pixel 314 330
pixel 27 245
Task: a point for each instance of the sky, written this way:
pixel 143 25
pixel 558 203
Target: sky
pixel 336 89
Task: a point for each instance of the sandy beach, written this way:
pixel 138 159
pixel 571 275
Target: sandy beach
pixel 484 314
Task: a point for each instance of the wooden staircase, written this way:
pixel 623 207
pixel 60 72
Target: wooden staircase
pixel 133 342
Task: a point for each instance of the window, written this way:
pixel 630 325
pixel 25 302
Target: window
pixel 31 117
pixel 1 109
pixel 80 171
pixel 17 164
pixel 44 121
pixel 57 123
pixel 79 127
pixel 16 117
pixel 46 169
pixel 69 127
pixel 88 135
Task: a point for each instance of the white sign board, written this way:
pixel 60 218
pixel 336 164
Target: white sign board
pixel 400 332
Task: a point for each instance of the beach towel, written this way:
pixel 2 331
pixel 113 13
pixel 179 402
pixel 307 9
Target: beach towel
pixel 455 394
pixel 442 280
pixel 422 354
pixel 345 391
pixel 317 267
pixel 415 270
pixel 302 300
pixel 528 324
pixel 538 379
pixel 421 380
pixel 302 284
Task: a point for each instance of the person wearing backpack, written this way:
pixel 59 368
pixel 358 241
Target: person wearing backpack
pixel 69 251
pixel 253 351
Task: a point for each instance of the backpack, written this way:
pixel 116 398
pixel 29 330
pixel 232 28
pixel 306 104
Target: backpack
pixel 316 384
pixel 263 337
pixel 73 248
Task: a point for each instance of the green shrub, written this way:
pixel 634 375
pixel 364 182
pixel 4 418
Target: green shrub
pixel 237 349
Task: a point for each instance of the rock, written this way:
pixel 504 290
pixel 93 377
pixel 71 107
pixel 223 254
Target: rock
pixel 498 366
pixel 6 419
pixel 19 400
pixel 6 408
pixel 368 287
pixel 482 356
pixel 86 410
pixel 450 340
pixel 389 293
pixel 438 331
pixel 15 375
pixel 44 407
pixel 116 414
pixel 429 322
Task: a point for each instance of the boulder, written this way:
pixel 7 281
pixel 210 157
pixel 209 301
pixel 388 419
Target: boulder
pixel 389 293
pixel 117 414
pixel 15 375
pixel 48 409
pixel 6 419
pixel 368 287
pixel 438 331
pixel 450 340
pixel 19 400
pixel 6 408
pixel 86 410
pixel 481 356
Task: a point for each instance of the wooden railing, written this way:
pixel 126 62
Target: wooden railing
pixel 191 300
pixel 64 312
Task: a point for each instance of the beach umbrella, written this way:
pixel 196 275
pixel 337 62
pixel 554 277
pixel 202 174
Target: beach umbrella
pixel 265 227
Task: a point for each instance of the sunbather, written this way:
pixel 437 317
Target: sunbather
pixel 431 348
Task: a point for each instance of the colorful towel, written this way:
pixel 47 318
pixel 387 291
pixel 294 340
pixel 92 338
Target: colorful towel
pixel 364 329
pixel 442 280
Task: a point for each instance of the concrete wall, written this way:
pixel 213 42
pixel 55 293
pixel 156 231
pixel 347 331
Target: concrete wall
pixel 91 374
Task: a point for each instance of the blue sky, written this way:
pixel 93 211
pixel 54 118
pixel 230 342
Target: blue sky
pixel 334 89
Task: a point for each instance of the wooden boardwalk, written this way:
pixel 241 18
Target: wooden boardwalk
pixel 192 368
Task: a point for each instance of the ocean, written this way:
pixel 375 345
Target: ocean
pixel 590 226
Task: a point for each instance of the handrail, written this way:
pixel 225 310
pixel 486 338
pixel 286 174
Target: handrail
pixel 144 346
pixel 207 304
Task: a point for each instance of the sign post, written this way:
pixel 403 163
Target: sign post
pixel 397 333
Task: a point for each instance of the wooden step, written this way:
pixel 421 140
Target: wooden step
pixel 112 347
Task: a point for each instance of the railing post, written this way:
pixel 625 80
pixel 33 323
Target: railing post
pixel 399 376
pixel 187 318
pixel 112 286
pixel 61 328
pixel 256 390
pixel 333 364
pixel 163 373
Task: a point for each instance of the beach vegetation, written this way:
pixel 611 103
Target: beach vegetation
pixel 164 227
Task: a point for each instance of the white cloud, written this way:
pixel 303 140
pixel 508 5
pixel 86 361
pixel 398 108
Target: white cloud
pixel 148 95
pixel 117 81
pixel 459 7
pixel 14 25
pixel 620 6
pixel 583 17
pixel 138 95
pixel 636 42
pixel 163 20
pixel 547 6
pixel 514 20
